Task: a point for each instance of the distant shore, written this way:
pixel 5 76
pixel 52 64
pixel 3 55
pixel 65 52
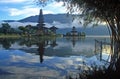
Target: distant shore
pixel 97 36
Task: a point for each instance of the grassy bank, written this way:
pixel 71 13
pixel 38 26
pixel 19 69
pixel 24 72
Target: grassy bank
pixel 10 36
pixel 24 36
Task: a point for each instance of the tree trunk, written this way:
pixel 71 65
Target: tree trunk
pixel 115 57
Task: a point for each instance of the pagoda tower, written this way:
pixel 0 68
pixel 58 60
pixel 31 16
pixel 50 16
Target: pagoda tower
pixel 74 32
pixel 40 19
pixel 40 25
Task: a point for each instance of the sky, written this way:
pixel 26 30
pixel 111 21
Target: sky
pixel 19 9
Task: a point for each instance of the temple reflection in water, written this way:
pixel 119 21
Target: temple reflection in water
pixel 49 45
pixel 41 47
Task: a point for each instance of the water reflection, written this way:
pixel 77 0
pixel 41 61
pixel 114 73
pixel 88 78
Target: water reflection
pixel 41 49
pixel 103 50
pixel 6 43
pixel 75 39
pixel 61 47
pixel 59 57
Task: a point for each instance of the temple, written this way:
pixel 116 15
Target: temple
pixel 41 29
pixel 74 32
pixel 41 26
pixel 53 29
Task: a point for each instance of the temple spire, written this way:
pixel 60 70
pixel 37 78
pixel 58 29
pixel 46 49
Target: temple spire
pixel 41 19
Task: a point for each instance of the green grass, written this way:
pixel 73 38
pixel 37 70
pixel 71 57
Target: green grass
pixel 23 36
pixel 9 36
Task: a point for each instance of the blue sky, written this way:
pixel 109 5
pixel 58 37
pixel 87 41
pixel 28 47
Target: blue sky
pixel 19 9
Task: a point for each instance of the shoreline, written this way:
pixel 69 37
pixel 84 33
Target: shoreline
pixel 98 36
pixel 87 36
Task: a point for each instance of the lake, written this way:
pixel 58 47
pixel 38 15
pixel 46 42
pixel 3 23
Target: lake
pixel 50 58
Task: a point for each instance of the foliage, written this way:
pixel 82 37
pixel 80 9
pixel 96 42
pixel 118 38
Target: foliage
pixel 6 43
pixel 104 73
pixel 96 11
pixel 99 10
pixel 5 28
pixel 28 28
pixel 22 28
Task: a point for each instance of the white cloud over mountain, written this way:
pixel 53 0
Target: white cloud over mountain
pixel 17 9
pixel 57 24
pixel 32 9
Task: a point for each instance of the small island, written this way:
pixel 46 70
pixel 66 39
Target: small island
pixel 75 33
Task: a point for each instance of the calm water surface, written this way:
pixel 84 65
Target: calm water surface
pixel 51 58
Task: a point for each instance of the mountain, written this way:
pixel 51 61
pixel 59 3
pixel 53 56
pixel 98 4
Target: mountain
pixel 49 18
pixel 99 30
pixel 64 24
pixel 9 20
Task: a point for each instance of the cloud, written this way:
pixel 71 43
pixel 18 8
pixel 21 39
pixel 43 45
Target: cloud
pixel 52 67
pixel 17 9
pixel 56 7
pixel 17 24
pixel 57 24
pixel 29 8
pixel 12 1
pixel 57 4
pixel 48 12
pixel 26 11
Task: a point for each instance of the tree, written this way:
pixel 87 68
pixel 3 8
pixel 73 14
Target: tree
pixel 12 31
pixel 22 28
pixel 28 28
pixel 95 11
pixel 5 28
pixel 101 11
